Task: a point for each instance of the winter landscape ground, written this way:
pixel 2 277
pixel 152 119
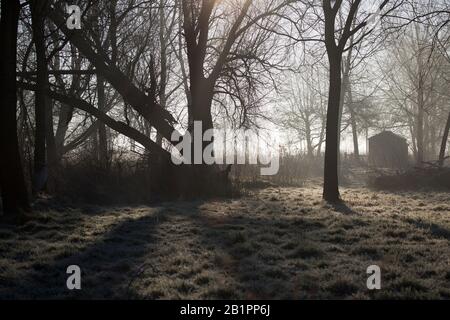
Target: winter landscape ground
pixel 271 243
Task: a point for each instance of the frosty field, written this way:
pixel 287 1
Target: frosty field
pixel 272 243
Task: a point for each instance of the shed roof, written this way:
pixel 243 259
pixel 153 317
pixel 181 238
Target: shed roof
pixel 385 134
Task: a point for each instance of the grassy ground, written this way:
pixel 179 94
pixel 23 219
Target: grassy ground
pixel 273 243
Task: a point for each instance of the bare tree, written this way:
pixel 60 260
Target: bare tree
pixel 415 88
pixel 12 182
pixel 305 109
pixel 336 43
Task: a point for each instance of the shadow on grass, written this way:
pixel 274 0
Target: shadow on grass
pixel 342 207
pixel 434 229
pixel 108 265
pixel 258 253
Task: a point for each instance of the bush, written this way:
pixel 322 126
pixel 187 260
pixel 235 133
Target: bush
pixel 434 178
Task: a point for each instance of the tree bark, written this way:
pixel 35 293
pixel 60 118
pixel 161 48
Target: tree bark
pixel 419 126
pixel 102 137
pixel 331 182
pixel 413 137
pixel 420 102
pixel 12 182
pixel 163 62
pixel 40 174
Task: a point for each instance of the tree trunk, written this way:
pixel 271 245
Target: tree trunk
pixel 426 138
pixel 420 104
pixel 419 125
pixel 321 140
pixel 355 136
pixel 353 124
pixel 444 141
pixel 66 111
pixel 331 183
pixel 52 158
pixel 201 111
pixel 342 90
pixel 102 138
pixel 163 62
pixel 203 178
pixel 202 91
pixel 12 182
pixel 309 144
pixel 64 117
pixel 432 142
pixel 45 149
pixel 413 138
pixel 40 174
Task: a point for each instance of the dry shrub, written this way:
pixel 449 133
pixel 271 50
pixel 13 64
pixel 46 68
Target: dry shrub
pixel 294 170
pixel 433 178
pixel 125 181
pixel 139 180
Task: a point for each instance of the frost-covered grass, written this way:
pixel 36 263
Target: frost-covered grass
pixel 272 243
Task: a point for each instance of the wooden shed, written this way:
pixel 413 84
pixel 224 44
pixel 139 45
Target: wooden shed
pixel 388 150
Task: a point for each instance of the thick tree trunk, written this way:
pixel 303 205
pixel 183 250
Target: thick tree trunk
pixel 12 182
pixel 201 112
pixel 203 178
pixel 331 183
pixel 444 141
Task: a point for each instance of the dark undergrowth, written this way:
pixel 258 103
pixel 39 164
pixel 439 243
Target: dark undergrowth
pixel 412 179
